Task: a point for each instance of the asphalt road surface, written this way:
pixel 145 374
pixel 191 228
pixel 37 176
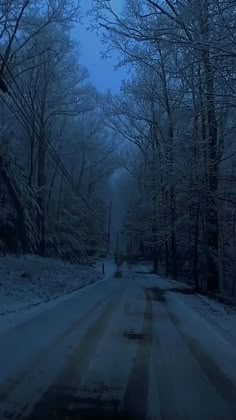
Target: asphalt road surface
pixel 128 348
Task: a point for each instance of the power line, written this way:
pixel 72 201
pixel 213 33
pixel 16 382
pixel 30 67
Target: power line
pixel 53 154
pixel 13 112
pixel 51 149
pixel 27 121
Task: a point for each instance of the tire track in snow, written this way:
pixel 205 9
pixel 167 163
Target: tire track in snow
pixel 15 384
pixel 190 383
pixel 61 400
pixel 135 403
pixel 223 385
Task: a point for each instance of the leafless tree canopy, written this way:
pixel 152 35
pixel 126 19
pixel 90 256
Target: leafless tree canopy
pixel 178 109
pixel 55 150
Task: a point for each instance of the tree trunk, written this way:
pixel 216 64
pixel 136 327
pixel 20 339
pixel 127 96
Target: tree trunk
pixel 173 236
pixel 21 222
pixel 51 189
pixel 167 258
pixel 32 147
pixel 41 194
pixel 81 173
pixel 155 263
pixel 195 262
pixel 212 212
pixel 59 199
pixel 170 162
pixel 212 154
pixel 109 228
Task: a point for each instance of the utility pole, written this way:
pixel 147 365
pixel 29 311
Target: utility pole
pixel 109 228
pixel 117 242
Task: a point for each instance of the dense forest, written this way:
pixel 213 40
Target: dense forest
pixel 178 111
pixel 175 115
pixel 55 150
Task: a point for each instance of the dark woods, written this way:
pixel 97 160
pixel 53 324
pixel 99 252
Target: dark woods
pixel 55 151
pixel 178 112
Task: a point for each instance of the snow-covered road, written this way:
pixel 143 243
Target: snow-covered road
pixel 132 348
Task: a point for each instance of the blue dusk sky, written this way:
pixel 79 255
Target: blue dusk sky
pixel 101 70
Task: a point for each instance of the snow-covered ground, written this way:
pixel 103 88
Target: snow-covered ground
pixel 221 316
pixel 218 315
pixel 29 280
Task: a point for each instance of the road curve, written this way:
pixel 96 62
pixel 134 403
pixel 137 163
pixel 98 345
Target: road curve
pixel 128 348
